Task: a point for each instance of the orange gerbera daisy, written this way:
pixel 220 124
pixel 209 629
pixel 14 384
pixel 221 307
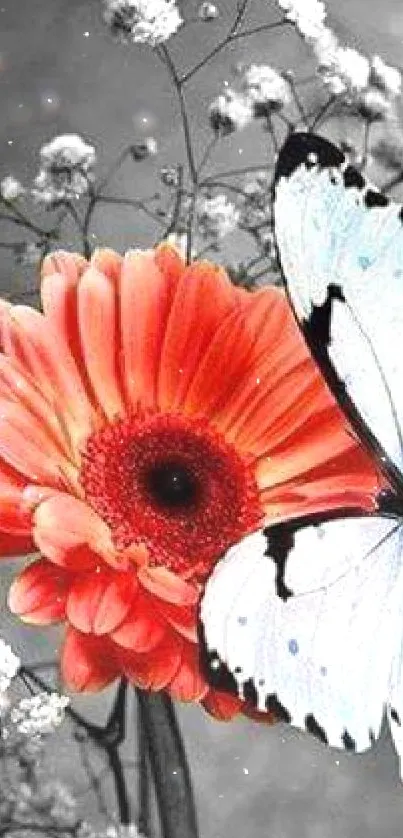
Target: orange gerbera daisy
pixel 151 417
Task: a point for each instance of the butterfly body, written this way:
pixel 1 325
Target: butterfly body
pixel 306 618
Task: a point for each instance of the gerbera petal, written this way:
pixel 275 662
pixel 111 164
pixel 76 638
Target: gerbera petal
pixel 88 662
pixel 188 683
pixel 16 386
pixel 145 300
pixel 98 602
pixel 100 338
pixel 169 261
pixel 203 298
pixel 15 545
pixel 143 629
pixel 167 585
pixel 70 533
pixel 13 517
pixel 107 262
pixel 39 593
pixel 223 706
pixel 60 275
pixel 346 481
pixel 153 671
pixel 182 619
pixel 25 445
pixel 31 339
pixel 63 263
pixel 320 439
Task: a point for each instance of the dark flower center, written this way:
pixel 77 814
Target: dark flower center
pixel 173 483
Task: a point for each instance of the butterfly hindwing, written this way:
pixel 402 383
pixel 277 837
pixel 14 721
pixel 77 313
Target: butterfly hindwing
pixel 340 245
pixel 316 647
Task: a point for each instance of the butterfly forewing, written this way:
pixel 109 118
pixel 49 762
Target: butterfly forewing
pixel 340 245
pixel 319 650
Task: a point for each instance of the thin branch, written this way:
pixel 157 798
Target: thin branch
pixel 229 38
pixel 322 113
pixel 176 207
pixel 166 57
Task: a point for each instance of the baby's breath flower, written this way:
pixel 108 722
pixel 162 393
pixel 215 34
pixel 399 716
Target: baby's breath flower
pixel 144 148
pixel 40 714
pixel 230 112
pixel 373 105
pixel 343 69
pixel 149 22
pixel 67 164
pixel 9 666
pixel 169 176
pixel 208 11
pixel 267 90
pixel 11 188
pixel 217 216
pixel 307 15
pixel 387 79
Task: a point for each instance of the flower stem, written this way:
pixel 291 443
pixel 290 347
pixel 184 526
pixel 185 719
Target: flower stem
pixel 169 766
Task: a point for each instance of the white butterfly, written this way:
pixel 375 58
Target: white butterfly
pixel 307 619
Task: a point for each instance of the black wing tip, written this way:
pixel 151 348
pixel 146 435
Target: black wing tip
pixel 304 148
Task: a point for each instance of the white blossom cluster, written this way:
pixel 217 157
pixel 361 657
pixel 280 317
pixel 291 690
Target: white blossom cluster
pixel 208 11
pixel 230 111
pixel 66 170
pixel 307 15
pixel 217 216
pixel 40 714
pixel 371 85
pixel 149 22
pixel 9 666
pixel 263 91
pixel 11 189
pixel 265 88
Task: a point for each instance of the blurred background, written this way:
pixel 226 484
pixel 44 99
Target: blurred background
pixel 61 72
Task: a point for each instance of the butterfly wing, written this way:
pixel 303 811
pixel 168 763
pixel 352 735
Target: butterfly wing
pixel 315 643
pixel 340 244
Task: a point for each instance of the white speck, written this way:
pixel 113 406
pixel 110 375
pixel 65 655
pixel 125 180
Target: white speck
pixel 258 381
pixel 215 663
pixel 245 770
pixel 221 796
pixel 98 569
pixel 86 34
pixel 174 772
pixel 240 150
pixel 312 157
pixel 10 142
pixel 21 105
pixel 144 120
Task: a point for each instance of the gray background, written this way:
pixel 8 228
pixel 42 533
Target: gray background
pixel 249 779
